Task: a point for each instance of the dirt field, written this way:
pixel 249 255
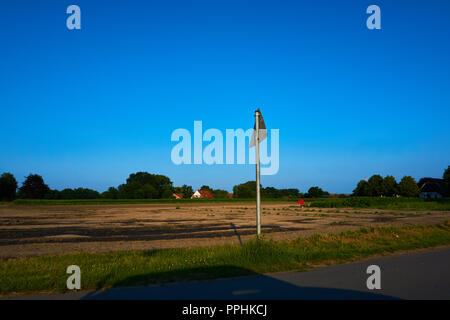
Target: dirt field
pixel 37 230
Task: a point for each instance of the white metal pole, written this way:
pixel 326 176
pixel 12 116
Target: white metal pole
pixel 258 197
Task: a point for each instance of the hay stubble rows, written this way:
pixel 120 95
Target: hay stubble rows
pixel 33 230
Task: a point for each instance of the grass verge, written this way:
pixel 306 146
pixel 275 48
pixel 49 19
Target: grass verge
pixel 383 203
pixel 48 273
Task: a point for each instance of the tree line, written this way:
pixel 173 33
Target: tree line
pixel 378 186
pixel 140 185
pixel 144 185
pixel 248 190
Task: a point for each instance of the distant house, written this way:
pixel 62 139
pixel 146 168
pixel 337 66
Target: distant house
pixel 202 194
pixel 229 195
pixel 178 195
pixel 431 188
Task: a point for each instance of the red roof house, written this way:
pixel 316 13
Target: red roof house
pixel 202 194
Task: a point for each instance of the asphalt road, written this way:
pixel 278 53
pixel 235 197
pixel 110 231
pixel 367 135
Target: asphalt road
pixel 419 275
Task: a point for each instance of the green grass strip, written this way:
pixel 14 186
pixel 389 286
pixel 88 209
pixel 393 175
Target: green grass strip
pixel 383 203
pixel 351 202
pixel 47 273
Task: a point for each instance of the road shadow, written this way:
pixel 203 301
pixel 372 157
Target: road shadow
pixel 247 286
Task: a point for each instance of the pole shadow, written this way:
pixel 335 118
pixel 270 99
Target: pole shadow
pixel 233 226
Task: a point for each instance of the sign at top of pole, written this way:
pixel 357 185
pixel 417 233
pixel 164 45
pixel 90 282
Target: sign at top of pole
pixel 262 130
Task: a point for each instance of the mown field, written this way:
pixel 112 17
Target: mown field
pixel 30 230
pixel 48 273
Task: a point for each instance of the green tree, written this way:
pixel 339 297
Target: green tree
pixel 8 187
pixel 316 192
pixel 376 186
pixel 292 192
pixel 274 193
pixel 53 194
pixel 143 185
pixel 111 193
pixel 446 177
pixel 186 190
pixel 245 190
pixel 160 182
pixel 389 186
pixel 271 193
pixel 166 192
pixel 129 190
pixel 408 187
pixel 362 189
pixel 220 194
pixel 78 193
pixel 86 193
pixel 147 191
pixel 67 194
pixel 33 187
pixel 207 188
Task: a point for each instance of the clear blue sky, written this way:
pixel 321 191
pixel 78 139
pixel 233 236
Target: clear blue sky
pixel 89 107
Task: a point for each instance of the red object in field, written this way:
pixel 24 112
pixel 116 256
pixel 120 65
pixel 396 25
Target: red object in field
pixel 301 202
